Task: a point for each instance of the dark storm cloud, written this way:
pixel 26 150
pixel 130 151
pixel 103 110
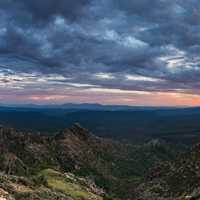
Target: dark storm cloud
pixel 46 9
pixel 43 11
pixel 140 45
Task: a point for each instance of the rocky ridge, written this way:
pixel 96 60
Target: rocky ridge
pixel 74 165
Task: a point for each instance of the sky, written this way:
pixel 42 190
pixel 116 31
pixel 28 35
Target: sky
pixel 135 52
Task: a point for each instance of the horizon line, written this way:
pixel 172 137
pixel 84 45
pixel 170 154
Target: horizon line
pixel 97 104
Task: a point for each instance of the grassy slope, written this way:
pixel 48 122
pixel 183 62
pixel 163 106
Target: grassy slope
pixel 59 182
pixel 55 186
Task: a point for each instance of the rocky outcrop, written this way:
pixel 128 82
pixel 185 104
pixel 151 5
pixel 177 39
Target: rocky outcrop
pixel 4 195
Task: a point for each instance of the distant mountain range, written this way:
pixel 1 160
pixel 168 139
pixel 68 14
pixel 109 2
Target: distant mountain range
pixel 86 106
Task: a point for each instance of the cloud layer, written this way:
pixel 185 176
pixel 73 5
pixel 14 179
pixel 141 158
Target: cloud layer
pixel 106 46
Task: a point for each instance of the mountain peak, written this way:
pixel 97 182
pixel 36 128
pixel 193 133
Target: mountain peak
pixel 77 130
